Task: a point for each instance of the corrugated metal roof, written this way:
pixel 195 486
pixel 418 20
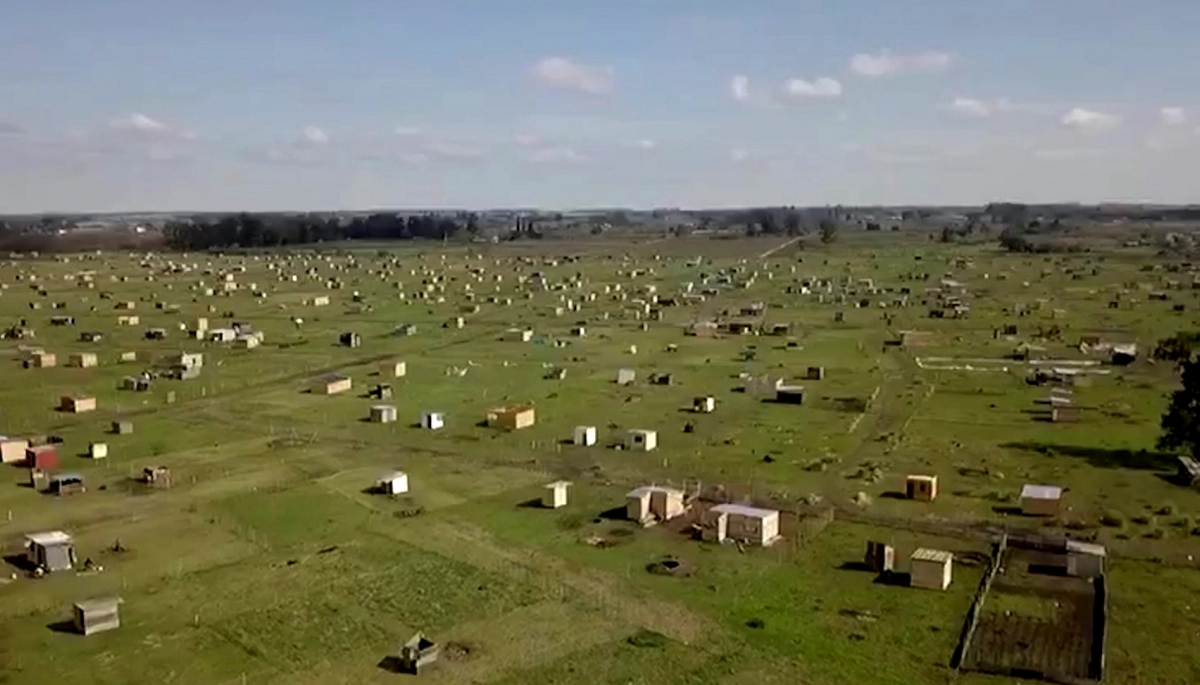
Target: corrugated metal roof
pixel 744 510
pixel 935 555
pixel 54 537
pixel 1086 548
pixel 1041 492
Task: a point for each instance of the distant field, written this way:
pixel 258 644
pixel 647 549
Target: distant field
pixel 270 561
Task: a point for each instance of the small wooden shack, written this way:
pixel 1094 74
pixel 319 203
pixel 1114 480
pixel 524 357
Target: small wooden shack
pixel 97 615
pixel 921 488
pixel 393 369
pixel 1041 500
pixel 432 420
pixel 651 504
pixel 418 653
pixel 704 405
pixel 98 450
pixel 739 522
pixel 82 360
pixel 350 339
pixel 511 418
pixel 12 450
pixel 394 483
pixel 880 557
pixel 383 413
pixel 42 457
pixel 584 436
pixel 555 494
pixel 931 569
pixel 640 440
pixel 41 360
pixel 332 384
pixel 789 394
pixel 626 376
pixel 122 427
pixel 50 551
pixel 157 476
pixel 77 404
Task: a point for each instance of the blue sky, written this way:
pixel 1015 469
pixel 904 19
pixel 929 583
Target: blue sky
pixel 322 104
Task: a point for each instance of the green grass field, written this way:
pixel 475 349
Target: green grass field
pixel 269 561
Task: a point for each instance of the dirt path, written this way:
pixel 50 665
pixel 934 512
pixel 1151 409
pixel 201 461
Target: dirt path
pixel 773 250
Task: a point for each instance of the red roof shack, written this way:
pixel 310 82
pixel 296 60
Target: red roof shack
pixel 43 457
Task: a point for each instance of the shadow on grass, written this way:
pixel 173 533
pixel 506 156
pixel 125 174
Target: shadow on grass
pixel 1100 456
pixel 535 503
pixel 856 566
pixel 392 664
pixel 897 579
pixel 614 514
pixel 894 494
pixel 1008 510
pixel 67 627
pixel 20 562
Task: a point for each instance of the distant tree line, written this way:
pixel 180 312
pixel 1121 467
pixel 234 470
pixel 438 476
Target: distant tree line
pixel 274 230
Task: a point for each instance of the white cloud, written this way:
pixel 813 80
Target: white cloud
pixel 823 87
pixel 551 155
pixel 315 136
pixel 561 72
pixel 138 122
pixel 970 107
pixel 886 63
pixel 1088 120
pixel 646 144
pixel 407 131
pixel 739 88
pixel 1172 116
pixel 739 154
pixel 527 139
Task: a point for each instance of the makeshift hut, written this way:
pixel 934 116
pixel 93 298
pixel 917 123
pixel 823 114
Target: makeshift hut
pixel 97 615
pixel 555 494
pixel 584 436
pixel 122 427
pixel 383 413
pixel 1085 559
pixel 52 551
pixel 704 405
pixel 641 440
pixel 626 376
pixel 350 339
pixel 332 384
pixel 42 457
pixel 98 450
pixel 12 450
pixel 67 484
pixel 922 488
pixel 41 360
pixel 650 504
pixel 393 368
pixel 157 476
pixel 931 569
pixel 77 404
pixel 394 483
pixel 1041 500
pixel 511 418
pixel 433 420
pixel 418 653
pixel 880 557
pixel 742 523
pixel 789 394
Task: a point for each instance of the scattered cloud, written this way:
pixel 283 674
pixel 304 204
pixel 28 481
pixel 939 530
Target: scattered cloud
pixel 315 136
pixel 554 155
pixel 823 87
pixel 1068 153
pixel 1088 120
pixel 739 88
pixel 11 128
pixel 137 122
pixel 969 107
pixel 739 154
pixel 527 139
pixel 561 72
pixel 407 131
pixel 646 144
pixel 1173 116
pixel 885 63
